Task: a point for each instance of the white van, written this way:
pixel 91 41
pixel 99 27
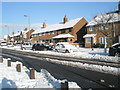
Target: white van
pixel 27 45
pixel 3 43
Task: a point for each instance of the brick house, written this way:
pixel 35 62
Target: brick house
pixel 24 36
pixel 96 32
pixel 69 31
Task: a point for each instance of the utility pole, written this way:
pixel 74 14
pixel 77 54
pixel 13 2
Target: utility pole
pixel 28 26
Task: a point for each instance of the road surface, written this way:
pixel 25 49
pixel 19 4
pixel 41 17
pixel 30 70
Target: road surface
pixel 84 78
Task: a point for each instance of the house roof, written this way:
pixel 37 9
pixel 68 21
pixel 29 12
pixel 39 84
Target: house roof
pixel 102 18
pixel 5 36
pixel 89 35
pixel 55 27
pixel 63 36
pixel 18 34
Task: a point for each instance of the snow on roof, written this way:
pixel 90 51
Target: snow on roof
pixel 115 17
pixel 89 35
pixel 5 36
pixel 54 27
pixel 63 36
pixel 18 34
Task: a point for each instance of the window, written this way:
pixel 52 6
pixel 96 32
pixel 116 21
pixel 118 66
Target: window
pixel 63 31
pixel 91 29
pixel 48 33
pixel 44 34
pixel 54 32
pixel 101 40
pixel 88 40
pixel 101 27
pixel 107 26
pixel 70 30
pixel 40 34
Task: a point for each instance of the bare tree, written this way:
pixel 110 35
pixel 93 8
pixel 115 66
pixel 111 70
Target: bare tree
pixel 102 21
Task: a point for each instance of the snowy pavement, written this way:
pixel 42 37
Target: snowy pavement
pixel 10 78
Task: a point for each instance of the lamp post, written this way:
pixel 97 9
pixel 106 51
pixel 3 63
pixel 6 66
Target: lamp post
pixel 28 26
pixel 21 40
pixel 8 33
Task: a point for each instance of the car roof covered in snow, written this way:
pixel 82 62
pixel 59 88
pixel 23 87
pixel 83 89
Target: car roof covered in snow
pixel 115 44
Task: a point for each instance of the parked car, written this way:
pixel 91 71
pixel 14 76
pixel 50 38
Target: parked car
pixel 27 45
pixel 3 43
pixel 65 47
pixel 114 50
pixel 49 47
pixel 17 44
pixel 40 46
pixel 10 44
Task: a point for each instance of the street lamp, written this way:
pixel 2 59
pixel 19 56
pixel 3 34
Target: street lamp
pixel 8 32
pixel 28 25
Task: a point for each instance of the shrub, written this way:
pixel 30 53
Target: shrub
pixel 98 45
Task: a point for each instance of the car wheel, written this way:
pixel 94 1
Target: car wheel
pixel 56 50
pixel 24 48
pixel 67 51
pixel 117 54
pixel 45 49
pixel 33 49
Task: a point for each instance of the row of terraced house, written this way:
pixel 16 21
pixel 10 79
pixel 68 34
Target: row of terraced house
pixel 77 31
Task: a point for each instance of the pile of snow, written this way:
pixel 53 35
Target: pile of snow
pixel 98 68
pixel 10 78
pixel 85 53
pixel 82 54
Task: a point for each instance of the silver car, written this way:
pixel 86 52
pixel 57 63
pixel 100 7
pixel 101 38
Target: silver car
pixel 65 47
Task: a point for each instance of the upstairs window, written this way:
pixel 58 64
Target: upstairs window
pixel 91 29
pixel 54 32
pixel 44 34
pixel 40 34
pixel 63 31
pixel 107 26
pixel 70 30
pixel 101 27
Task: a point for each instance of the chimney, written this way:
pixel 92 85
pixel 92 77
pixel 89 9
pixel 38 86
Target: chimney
pixel 25 29
pixel 44 25
pixel 65 19
pixel 13 33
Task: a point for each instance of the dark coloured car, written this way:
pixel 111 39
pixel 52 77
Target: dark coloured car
pixel 49 47
pixel 114 50
pixel 41 47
